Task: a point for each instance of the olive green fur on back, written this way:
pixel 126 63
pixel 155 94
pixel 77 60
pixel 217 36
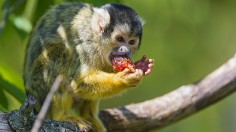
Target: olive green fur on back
pixel 51 49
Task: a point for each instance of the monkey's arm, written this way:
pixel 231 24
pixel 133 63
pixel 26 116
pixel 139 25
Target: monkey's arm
pixel 98 84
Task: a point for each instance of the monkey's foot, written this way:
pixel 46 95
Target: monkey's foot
pixel 80 122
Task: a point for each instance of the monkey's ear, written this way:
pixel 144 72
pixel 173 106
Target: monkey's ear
pixel 142 21
pixel 100 20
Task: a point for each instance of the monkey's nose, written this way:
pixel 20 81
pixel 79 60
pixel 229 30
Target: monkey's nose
pixel 124 50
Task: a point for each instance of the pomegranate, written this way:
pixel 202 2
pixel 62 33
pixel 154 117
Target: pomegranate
pixel 119 63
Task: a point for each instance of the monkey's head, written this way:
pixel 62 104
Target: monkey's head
pixel 120 30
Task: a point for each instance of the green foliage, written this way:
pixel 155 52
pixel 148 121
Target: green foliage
pixel 3 102
pixel 22 24
pixel 187 38
pixel 11 89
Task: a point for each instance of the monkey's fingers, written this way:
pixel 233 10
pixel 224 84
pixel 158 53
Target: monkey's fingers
pixel 150 63
pixel 145 65
pixel 131 68
pixel 150 66
pixel 125 72
pixel 148 72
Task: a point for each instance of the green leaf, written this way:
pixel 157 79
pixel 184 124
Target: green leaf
pixel 22 24
pixel 12 89
pixel 12 76
pixel 3 101
pixel 2 109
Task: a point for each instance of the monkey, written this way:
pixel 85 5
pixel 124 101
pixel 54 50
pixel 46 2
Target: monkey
pixel 79 41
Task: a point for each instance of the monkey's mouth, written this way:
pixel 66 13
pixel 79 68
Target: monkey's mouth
pixel 120 62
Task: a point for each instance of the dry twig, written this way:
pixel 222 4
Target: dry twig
pixel 46 104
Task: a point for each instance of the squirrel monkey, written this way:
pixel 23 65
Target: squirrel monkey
pixel 79 41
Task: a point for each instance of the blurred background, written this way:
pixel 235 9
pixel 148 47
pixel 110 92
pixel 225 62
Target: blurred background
pixel 187 38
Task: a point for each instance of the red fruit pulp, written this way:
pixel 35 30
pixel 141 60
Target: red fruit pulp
pixel 119 63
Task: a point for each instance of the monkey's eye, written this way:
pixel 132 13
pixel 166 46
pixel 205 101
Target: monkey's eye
pixel 120 39
pixel 132 42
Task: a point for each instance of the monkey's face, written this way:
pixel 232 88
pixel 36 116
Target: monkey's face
pixel 120 31
pixel 123 44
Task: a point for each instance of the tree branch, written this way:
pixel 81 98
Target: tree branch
pixel 176 105
pixel 164 110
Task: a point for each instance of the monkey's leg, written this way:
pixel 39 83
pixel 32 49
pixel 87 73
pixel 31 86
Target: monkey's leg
pixel 61 104
pixel 89 111
pixel 79 121
pixel 61 110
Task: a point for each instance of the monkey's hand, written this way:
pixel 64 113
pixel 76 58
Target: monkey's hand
pixel 131 78
pixel 145 65
pixel 142 67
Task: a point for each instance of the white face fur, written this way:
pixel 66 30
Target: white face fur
pixel 120 36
